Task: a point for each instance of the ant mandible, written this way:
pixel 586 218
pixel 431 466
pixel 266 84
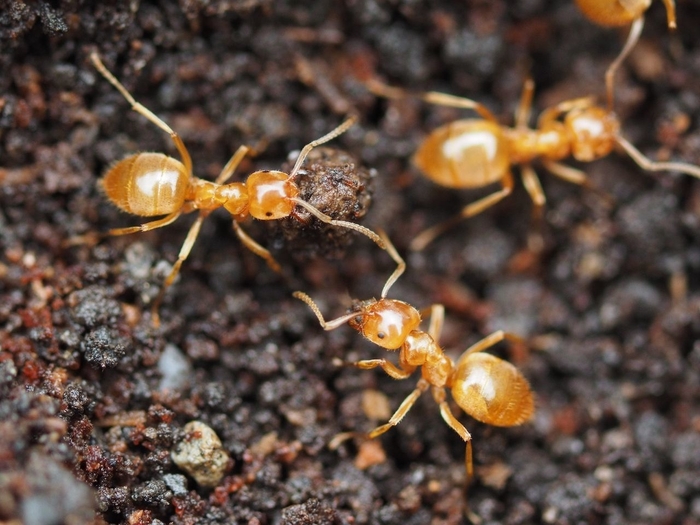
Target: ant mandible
pixel 615 13
pixel 488 388
pixel 151 184
pixel 473 153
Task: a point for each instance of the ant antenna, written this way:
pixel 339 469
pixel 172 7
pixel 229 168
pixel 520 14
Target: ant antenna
pixel 342 128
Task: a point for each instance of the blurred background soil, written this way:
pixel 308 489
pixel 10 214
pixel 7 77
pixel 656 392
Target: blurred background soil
pixel 93 399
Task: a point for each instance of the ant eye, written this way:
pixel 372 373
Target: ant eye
pixel 358 319
pixel 268 214
pixel 381 335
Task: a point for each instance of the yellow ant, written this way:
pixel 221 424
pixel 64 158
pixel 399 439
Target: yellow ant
pixel 488 388
pixel 616 13
pixel 473 153
pixel 151 184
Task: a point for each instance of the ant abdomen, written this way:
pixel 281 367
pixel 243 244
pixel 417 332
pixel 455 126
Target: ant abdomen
pixel 492 390
pixel 613 12
pixel 147 184
pixel 467 153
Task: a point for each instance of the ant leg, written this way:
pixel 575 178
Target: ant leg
pixel 184 253
pixel 432 97
pixel 231 165
pixel 534 189
pixel 670 13
pixel 395 419
pixel 489 341
pixel 437 319
pixel 254 247
pixel 632 39
pixel 649 165
pixel 396 372
pixel 342 128
pixel 169 219
pixel 424 238
pixel 522 114
pixel 144 111
pixel 551 114
pixel 575 176
pixel 451 420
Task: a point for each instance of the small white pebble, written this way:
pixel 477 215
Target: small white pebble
pixel 175 369
pixel 201 454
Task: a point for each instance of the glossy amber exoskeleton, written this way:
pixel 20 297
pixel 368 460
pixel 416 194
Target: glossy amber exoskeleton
pixel 486 387
pixel 492 390
pixel 152 184
pixel 474 153
pixel 147 184
pixel 616 13
pixel 466 153
pixel 621 12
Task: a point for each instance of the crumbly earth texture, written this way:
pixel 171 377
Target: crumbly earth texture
pixel 93 399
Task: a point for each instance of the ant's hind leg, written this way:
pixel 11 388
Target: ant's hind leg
pixel 424 238
pixel 169 219
pixel 489 341
pixel 432 97
pixel 454 424
pixel 144 111
pixel 182 256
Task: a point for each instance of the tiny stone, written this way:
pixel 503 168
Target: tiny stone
pixel 201 454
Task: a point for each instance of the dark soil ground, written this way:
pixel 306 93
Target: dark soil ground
pixel 93 399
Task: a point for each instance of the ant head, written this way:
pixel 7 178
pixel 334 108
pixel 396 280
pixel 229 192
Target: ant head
pixel 271 195
pixel 594 131
pixel 386 322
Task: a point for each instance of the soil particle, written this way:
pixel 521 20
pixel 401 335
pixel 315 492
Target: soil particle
pixel 55 495
pixel 334 182
pixel 102 347
pixel 611 304
pixel 310 513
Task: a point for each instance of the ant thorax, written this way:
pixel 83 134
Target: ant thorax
pixel 550 141
pixel 420 349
